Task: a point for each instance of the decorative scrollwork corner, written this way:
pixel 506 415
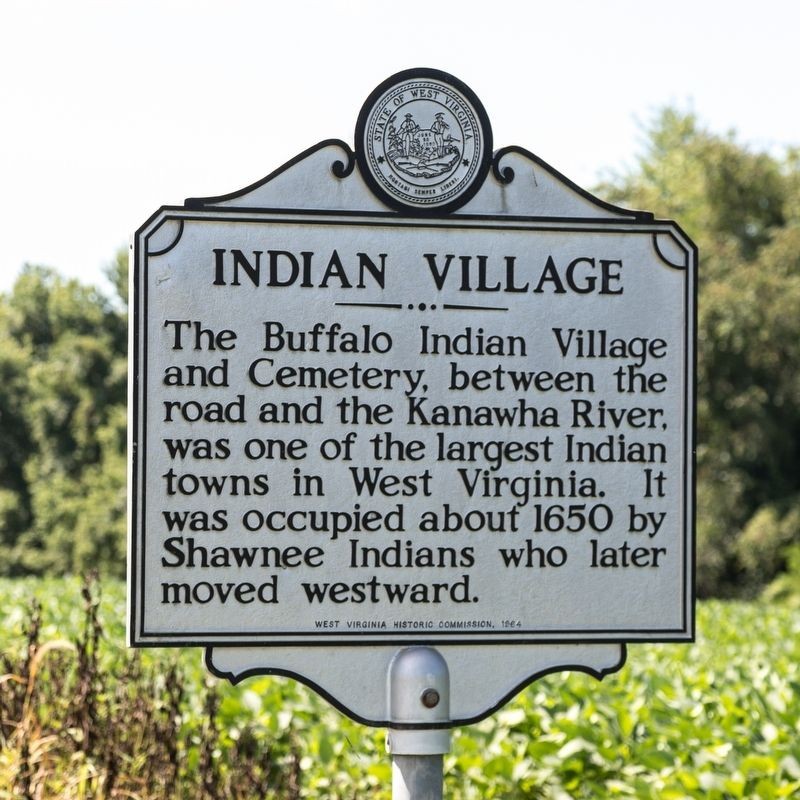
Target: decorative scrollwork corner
pixel 339 168
pixel 671 250
pixel 506 174
pixel 175 226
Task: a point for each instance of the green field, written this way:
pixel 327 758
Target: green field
pixel 82 717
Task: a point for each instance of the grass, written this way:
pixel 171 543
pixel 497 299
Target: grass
pixel 83 717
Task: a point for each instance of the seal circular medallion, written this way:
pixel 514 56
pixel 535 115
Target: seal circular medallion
pixel 423 142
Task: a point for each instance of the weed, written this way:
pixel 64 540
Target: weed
pixel 85 719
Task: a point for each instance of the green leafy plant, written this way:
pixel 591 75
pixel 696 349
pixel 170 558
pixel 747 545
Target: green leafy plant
pixel 84 717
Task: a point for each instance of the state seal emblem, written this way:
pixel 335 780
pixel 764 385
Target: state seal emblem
pixel 423 142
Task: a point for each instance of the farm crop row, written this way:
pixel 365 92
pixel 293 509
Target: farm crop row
pixel 83 717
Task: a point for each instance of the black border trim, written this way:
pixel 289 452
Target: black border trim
pixel 338 168
pixel 174 241
pixel 506 175
pixel 666 260
pixel 453 723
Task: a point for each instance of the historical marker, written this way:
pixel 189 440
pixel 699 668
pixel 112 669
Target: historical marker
pixel 415 393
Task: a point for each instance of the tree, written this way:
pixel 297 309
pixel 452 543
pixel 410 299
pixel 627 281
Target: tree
pixel 742 208
pixel 62 400
pixel 63 375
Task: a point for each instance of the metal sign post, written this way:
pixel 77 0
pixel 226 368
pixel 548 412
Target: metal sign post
pixel 416 410
pixel 419 696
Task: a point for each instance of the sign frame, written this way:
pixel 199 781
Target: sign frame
pixel 482 205
pixel 196 212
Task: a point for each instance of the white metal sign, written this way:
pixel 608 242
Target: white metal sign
pixel 464 422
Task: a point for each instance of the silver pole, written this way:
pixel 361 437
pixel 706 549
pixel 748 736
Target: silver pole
pixel 419 705
pixel 417 777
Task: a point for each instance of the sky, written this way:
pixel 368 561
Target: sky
pixel 109 110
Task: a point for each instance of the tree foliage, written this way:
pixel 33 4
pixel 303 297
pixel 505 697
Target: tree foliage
pixel 62 439
pixel 742 208
pixel 63 368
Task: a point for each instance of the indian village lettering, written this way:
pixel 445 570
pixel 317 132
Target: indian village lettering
pixel 358 421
